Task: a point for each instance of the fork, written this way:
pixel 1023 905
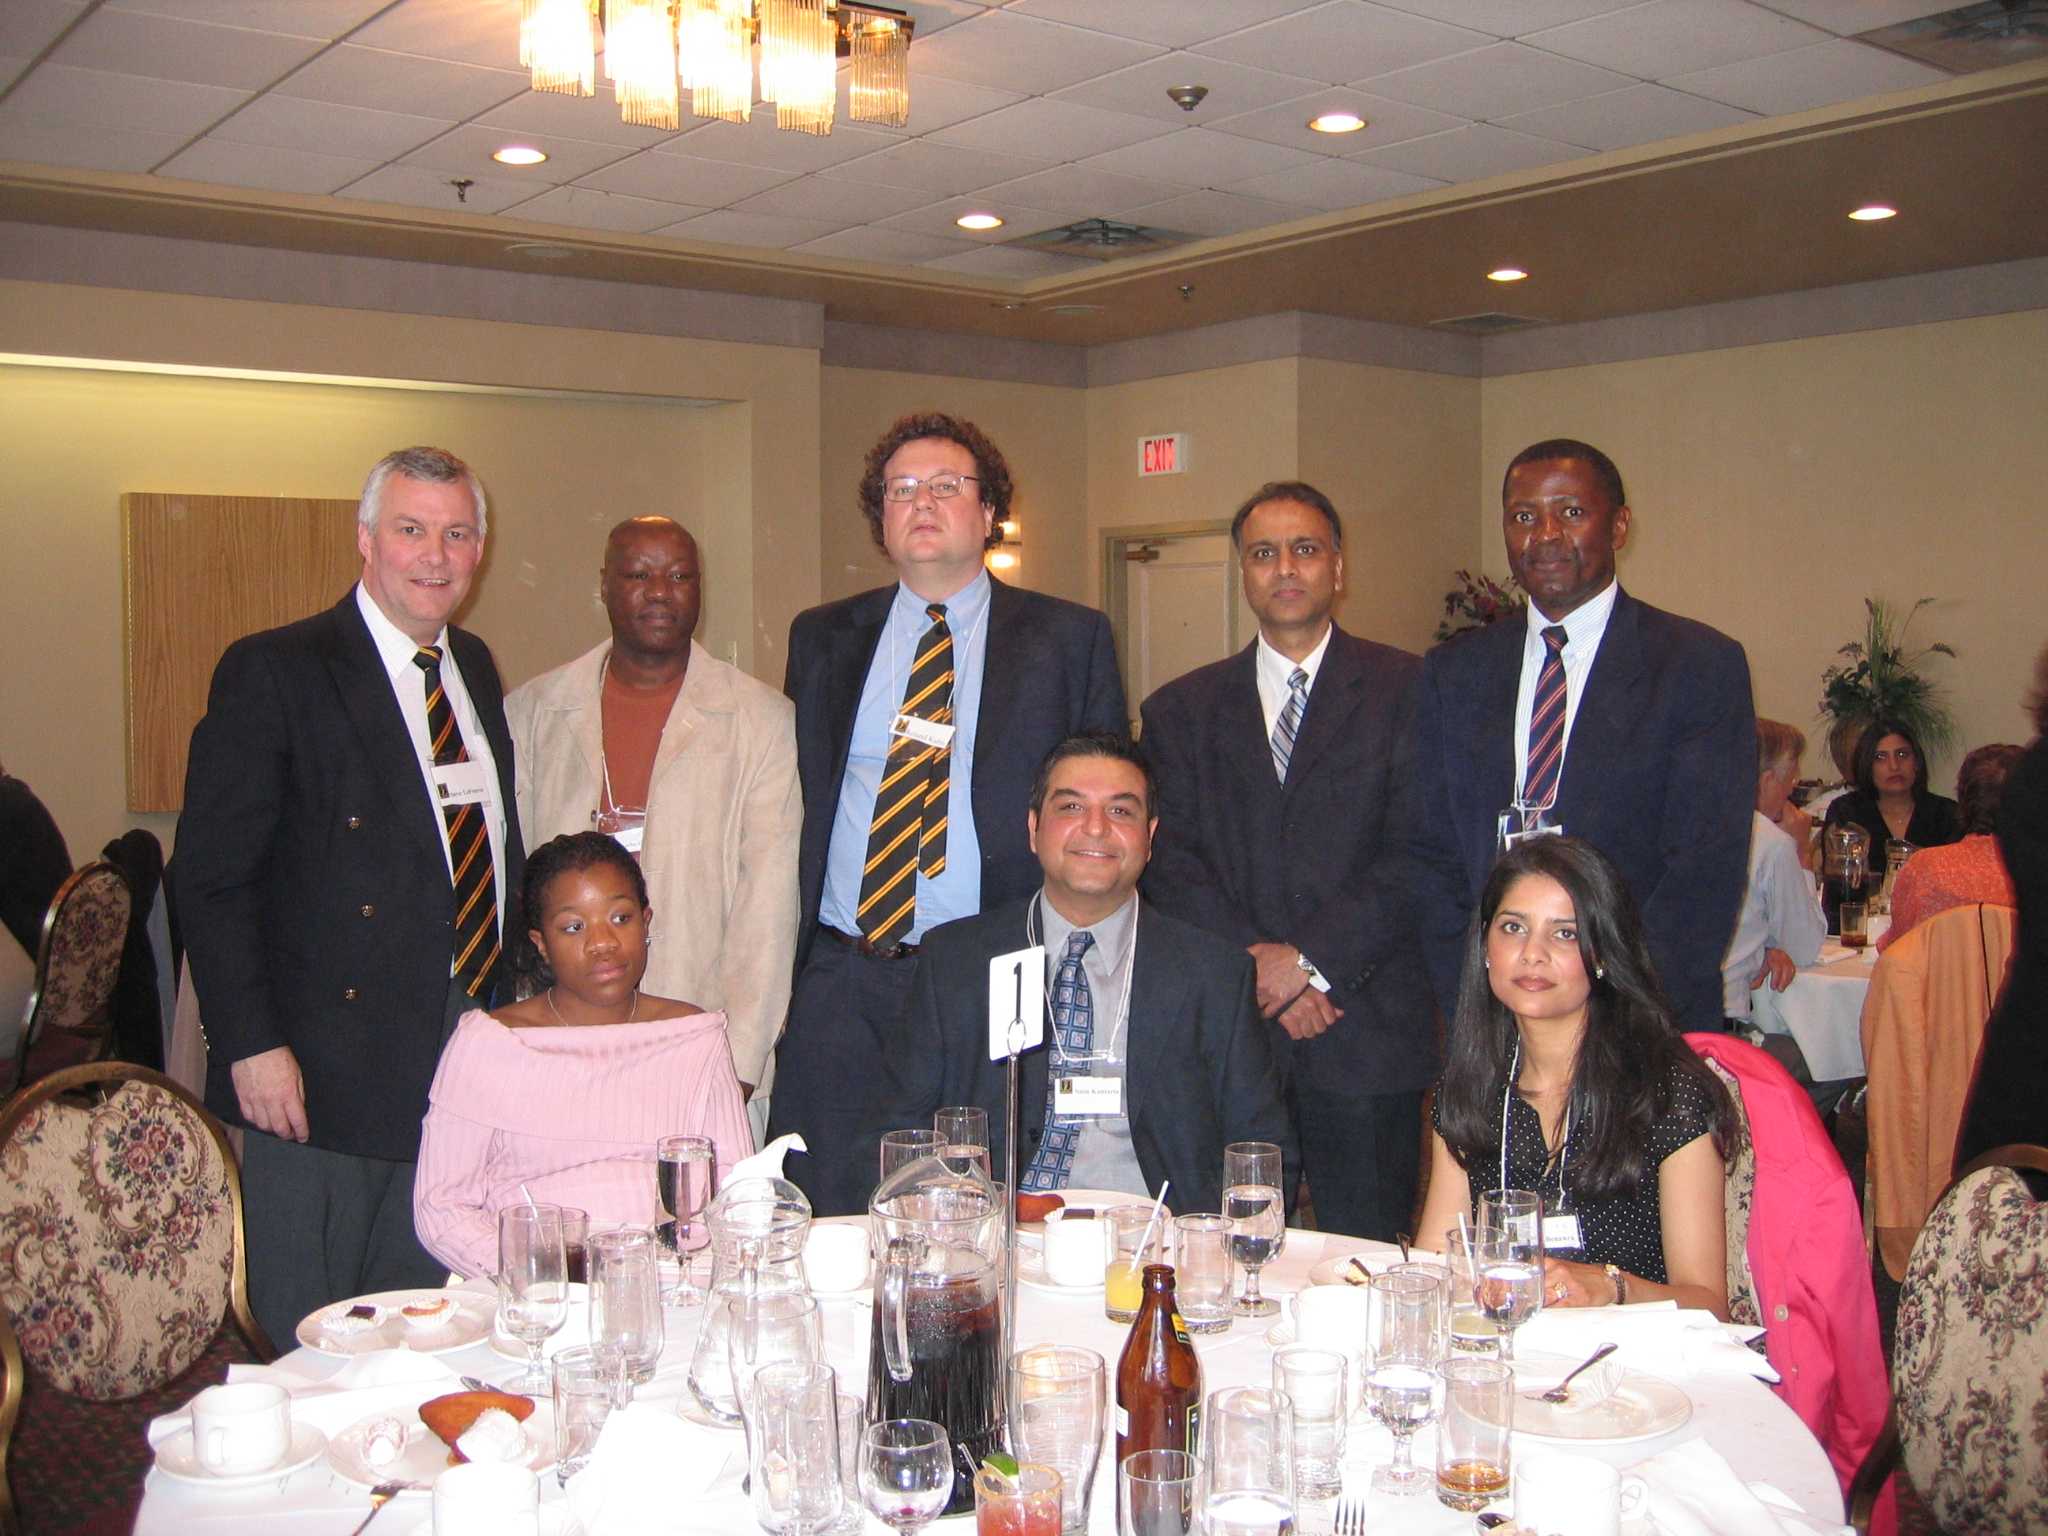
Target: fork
pixel 1350 1518
pixel 381 1495
pixel 1561 1392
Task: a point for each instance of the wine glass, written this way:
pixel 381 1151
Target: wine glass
pixel 1253 1202
pixel 906 1472
pixel 686 1177
pixel 1507 1281
pixel 1404 1347
pixel 533 1283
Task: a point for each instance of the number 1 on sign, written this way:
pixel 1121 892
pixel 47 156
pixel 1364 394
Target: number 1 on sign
pixel 1016 996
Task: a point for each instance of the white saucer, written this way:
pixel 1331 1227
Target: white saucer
pixel 175 1459
pixel 1031 1272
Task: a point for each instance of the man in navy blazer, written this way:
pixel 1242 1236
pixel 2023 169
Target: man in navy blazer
pixel 316 891
pixel 1657 736
pixel 1002 676
pixel 1306 866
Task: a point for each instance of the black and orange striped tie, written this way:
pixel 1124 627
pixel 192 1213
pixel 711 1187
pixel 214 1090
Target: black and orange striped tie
pixel 908 835
pixel 469 841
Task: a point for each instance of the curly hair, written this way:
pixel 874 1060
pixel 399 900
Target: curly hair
pixel 989 466
pixel 569 854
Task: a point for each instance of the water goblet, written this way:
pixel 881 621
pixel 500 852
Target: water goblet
pixel 1404 1347
pixel 686 1177
pixel 533 1283
pixel 1252 1200
pixel 1507 1283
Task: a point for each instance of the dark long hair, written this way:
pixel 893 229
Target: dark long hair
pixel 569 854
pixel 1863 766
pixel 1631 1054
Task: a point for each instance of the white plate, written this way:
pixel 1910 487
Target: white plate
pixel 1091 1199
pixel 425 1457
pixel 472 1321
pixel 1377 1261
pixel 1641 1408
pixel 175 1459
pixel 1031 1272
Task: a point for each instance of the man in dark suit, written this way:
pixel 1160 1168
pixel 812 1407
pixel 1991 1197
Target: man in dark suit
pixel 1154 1019
pixel 1601 717
pixel 1286 787
pixel 921 709
pixel 345 853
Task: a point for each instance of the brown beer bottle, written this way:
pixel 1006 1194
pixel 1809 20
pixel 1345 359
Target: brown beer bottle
pixel 1158 1377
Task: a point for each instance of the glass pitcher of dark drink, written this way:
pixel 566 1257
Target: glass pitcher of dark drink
pixel 936 1351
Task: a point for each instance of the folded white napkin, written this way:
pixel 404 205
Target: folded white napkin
pixel 383 1381
pixel 647 1469
pixel 1692 1491
pixel 1657 1337
pixel 766 1163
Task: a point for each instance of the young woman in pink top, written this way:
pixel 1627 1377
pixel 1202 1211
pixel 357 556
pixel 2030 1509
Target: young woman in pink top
pixel 561 1096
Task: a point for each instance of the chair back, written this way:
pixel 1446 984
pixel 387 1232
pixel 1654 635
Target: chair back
pixel 1738 1195
pixel 121 1239
pixel 10 1413
pixel 71 1012
pixel 1970 1363
pixel 1923 1022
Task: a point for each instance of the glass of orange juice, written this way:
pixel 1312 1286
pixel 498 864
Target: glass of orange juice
pixel 1027 1504
pixel 1127 1249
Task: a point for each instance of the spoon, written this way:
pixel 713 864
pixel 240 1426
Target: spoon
pixel 1560 1392
pixel 1401 1241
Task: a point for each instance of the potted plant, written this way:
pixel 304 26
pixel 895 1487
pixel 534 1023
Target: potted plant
pixel 1879 678
pixel 1477 601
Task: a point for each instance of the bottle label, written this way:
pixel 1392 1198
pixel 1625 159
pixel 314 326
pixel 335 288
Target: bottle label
pixel 1123 1422
pixel 1180 1330
pixel 1194 1429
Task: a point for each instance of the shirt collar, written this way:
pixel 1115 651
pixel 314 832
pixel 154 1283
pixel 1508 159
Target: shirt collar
pixel 1278 668
pixel 964 609
pixel 1112 934
pixel 395 648
pixel 1583 626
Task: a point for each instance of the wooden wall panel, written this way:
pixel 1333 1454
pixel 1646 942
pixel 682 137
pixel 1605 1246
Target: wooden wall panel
pixel 199 572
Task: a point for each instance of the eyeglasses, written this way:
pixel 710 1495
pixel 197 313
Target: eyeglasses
pixel 942 487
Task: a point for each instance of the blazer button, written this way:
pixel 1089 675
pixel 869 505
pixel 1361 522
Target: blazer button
pixel 368 910
pixel 355 823
pixel 348 994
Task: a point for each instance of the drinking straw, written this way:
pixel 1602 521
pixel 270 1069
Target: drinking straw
pixel 1145 1242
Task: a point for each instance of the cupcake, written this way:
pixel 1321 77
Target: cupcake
pixel 426 1313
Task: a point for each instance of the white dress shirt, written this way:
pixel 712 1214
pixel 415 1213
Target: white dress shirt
pixel 1104 1157
pixel 1583 628
pixel 1779 911
pixel 1274 669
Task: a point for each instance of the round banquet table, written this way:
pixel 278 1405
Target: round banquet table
pixel 1740 1417
pixel 1823 1010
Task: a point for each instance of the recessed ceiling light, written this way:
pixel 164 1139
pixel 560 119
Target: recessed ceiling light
pixel 519 154
pixel 979 221
pixel 1870 213
pixel 1506 275
pixel 1336 122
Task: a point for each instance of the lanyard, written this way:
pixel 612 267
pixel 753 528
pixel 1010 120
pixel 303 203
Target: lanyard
pixel 1122 1022
pixel 1563 1142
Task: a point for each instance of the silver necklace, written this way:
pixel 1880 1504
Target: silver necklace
pixel 632 1015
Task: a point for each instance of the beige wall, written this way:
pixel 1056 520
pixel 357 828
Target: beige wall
pixel 1774 487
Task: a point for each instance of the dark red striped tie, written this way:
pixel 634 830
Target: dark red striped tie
pixel 469 841
pixel 1545 763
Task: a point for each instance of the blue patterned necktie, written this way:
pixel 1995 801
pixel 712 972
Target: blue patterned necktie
pixel 1545 762
pixel 1073 1022
pixel 1289 724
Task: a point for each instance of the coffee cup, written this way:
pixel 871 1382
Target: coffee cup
pixel 487 1498
pixel 836 1257
pixel 1076 1248
pixel 1560 1495
pixel 1332 1317
pixel 245 1427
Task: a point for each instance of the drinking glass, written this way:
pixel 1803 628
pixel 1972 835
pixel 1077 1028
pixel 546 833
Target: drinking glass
pixel 576 1243
pixel 906 1472
pixel 1133 1239
pixel 1248 1463
pixel 625 1305
pixel 1472 1436
pixel 1508 1286
pixel 1252 1199
pixel 1058 1405
pixel 686 1177
pixel 533 1283
pixel 1314 1381
pixel 793 1448
pixel 1438 1275
pixel 1404 1346
pixel 962 1131
pixel 785 1328
pixel 900 1147
pixel 1156 1494
pixel 584 1391
pixel 1202 1272
pixel 1472 1331
pixel 1025 1505
pixel 1512 1210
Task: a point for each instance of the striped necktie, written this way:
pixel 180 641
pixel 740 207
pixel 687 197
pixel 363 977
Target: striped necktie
pixel 1288 726
pixel 1073 1022
pixel 1545 763
pixel 908 834
pixel 469 841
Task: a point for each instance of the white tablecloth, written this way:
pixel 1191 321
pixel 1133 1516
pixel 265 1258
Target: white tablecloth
pixel 1761 1438
pixel 1822 1010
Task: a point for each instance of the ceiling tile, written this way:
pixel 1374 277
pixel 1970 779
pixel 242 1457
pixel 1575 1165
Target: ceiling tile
pixel 468 149
pixel 1661 39
pixel 82 146
pixel 1472 153
pixel 1509 20
pixel 935 102
pixel 1233 88
pixel 1342 40
pixel 1054 130
pixel 127 42
pixel 685 179
pixel 1849 17
pixel 1021 53
pixel 9 69
pixel 1807 77
pixel 1171 23
pixel 1210 213
pixel 935 15
pixel 594 119
pixel 937 170
pixel 27 27
pixel 1329 185
pixel 759 142
pixel 1386 122
pixel 841 202
pixel 1200 157
pixel 937 219
pixel 1006 261
pixel 424 187
pixel 1497 82
pixel 402 82
pixel 1642 114
pixel 324 19
pixel 92 98
pixel 467 31
pixel 728 226
pixel 267 166
pixel 870 244
pixel 324 128
pixel 581 208
pixel 1076 191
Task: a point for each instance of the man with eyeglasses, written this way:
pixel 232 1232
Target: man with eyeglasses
pixel 922 710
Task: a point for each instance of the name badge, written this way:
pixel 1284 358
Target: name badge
pixel 1093 1096
pixel 1561 1234
pixel 630 838
pixel 462 783
pixel 931 733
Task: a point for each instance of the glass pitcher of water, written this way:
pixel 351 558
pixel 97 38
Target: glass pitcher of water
pixel 757 1228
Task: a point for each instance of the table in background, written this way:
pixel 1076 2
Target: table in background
pixel 1822 1010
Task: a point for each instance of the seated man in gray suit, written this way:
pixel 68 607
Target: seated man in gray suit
pixel 1155 1055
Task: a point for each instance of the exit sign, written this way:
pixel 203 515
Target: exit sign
pixel 1163 455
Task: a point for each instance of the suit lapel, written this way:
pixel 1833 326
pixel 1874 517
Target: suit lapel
pixel 846 669
pixel 703 693
pixel 1245 742
pixel 372 708
pixel 1490 732
pixel 999 684
pixel 1612 704
pixel 1158 988
pixel 1338 691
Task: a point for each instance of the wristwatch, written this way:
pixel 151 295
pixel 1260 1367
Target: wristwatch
pixel 1619 1279
pixel 1307 967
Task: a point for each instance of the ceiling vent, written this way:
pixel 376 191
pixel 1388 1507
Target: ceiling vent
pixel 1101 240
pixel 1972 37
pixel 1491 323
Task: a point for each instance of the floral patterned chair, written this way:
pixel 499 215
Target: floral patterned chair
pixel 71 1011
pixel 121 1239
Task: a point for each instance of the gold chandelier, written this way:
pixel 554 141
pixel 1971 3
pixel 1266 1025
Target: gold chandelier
pixel 656 49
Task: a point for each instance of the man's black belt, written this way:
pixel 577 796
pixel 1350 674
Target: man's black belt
pixel 868 947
